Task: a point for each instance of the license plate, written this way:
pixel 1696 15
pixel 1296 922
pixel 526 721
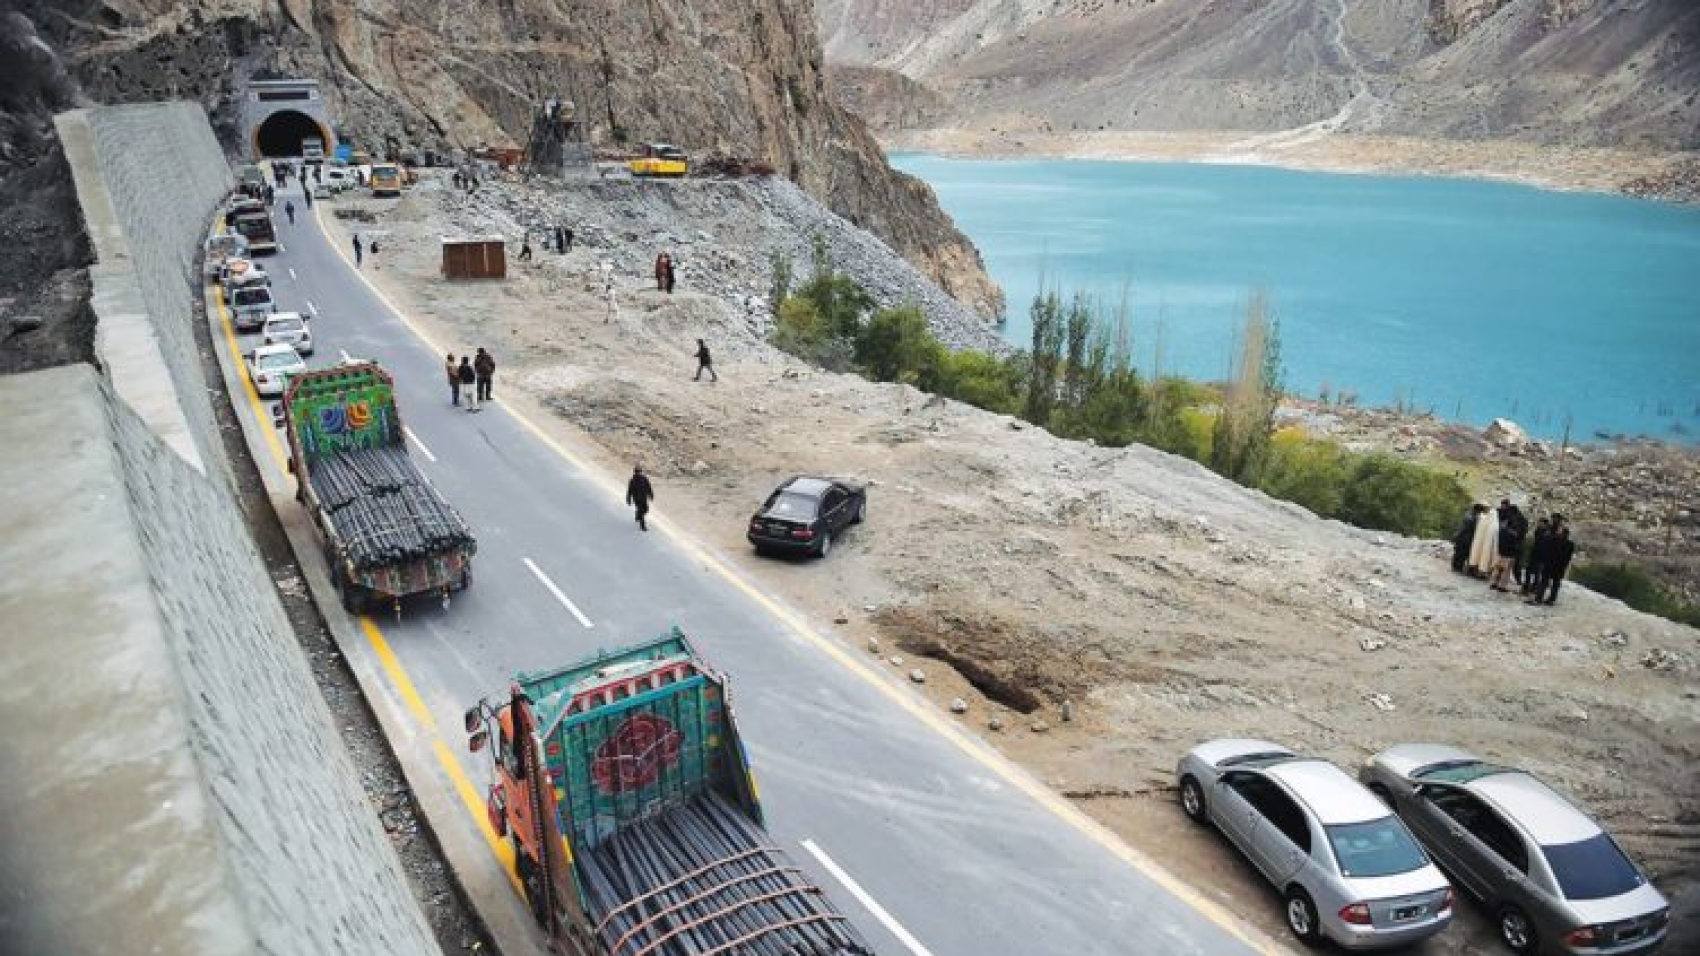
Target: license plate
pixel 1407 912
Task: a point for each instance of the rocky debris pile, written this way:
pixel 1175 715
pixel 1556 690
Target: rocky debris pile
pixel 726 238
pixel 1680 182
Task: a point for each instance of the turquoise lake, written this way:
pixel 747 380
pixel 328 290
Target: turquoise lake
pixel 1471 299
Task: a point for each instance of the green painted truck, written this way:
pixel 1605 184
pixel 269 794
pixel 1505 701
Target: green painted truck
pixel 388 534
pixel 623 789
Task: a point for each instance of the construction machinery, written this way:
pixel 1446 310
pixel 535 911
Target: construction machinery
pixel 660 160
pixel 622 784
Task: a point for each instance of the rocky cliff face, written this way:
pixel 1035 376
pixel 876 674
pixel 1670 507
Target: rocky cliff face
pixel 1579 72
pixel 742 77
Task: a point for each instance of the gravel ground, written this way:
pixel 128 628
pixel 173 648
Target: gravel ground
pixel 724 235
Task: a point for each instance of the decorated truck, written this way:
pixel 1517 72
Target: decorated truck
pixel 388 533
pixel 623 787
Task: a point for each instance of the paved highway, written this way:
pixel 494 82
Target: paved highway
pixel 931 841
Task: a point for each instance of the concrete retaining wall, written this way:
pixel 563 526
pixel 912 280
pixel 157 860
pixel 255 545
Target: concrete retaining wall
pixel 148 179
pixel 170 779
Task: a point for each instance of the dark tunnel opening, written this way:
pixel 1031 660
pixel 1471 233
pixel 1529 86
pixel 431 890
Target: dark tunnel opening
pixel 282 132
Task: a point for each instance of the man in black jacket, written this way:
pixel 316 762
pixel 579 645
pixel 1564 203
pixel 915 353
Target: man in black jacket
pixel 1560 549
pixel 639 494
pixel 485 367
pixel 1533 576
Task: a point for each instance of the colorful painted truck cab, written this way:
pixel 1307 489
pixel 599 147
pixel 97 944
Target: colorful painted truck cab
pixel 623 787
pixel 388 533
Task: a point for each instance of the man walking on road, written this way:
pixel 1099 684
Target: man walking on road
pixel 468 383
pixel 289 210
pixel 705 363
pixel 485 367
pixel 639 494
pixel 453 372
pixel 359 252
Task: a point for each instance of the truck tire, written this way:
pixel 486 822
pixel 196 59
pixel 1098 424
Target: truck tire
pixel 527 871
pixel 354 597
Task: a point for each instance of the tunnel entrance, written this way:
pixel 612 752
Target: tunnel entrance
pixel 282 132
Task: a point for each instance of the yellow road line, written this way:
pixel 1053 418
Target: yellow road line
pixel 975 749
pixel 260 414
pixel 398 676
pixel 474 802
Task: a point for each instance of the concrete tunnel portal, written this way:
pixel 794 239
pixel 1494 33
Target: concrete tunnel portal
pixel 282 132
pixel 279 114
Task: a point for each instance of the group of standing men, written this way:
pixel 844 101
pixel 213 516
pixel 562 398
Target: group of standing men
pixel 1495 544
pixel 474 375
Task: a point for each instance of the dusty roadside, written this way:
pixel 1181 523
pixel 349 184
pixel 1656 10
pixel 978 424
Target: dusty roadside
pixel 1656 175
pixel 1019 571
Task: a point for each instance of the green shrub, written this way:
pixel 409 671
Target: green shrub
pixel 801 331
pixel 1308 473
pixel 1389 494
pixel 896 346
pixel 982 380
pixel 1636 588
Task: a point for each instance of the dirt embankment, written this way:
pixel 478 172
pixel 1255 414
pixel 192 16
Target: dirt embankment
pixel 1096 611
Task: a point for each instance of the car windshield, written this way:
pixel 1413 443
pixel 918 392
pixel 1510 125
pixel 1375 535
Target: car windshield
pixel 284 325
pixel 1593 869
pixel 278 360
pixel 258 296
pixel 1458 771
pixel 789 504
pixel 1376 848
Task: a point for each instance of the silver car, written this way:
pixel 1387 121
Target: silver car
pixel 1349 870
pixel 1554 881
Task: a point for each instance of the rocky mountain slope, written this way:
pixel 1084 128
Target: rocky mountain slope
pixel 740 77
pixel 1578 72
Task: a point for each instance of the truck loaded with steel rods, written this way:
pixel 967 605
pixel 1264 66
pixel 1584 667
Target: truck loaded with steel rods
pixel 388 533
pixel 623 786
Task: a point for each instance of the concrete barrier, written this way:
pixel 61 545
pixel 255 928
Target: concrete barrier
pixel 170 779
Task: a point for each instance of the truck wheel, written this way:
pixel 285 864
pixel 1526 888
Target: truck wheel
pixel 533 887
pixel 354 597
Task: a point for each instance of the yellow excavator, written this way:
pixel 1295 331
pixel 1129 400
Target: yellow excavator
pixel 660 159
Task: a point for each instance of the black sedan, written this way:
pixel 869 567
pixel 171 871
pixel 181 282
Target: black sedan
pixel 803 515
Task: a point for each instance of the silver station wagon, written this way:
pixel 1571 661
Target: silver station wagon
pixel 1553 880
pixel 1349 870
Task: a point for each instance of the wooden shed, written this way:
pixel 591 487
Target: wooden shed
pixel 475 257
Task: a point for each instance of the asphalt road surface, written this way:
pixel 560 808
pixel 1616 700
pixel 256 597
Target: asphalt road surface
pixel 952 850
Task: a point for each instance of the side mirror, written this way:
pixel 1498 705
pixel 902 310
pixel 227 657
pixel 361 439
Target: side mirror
pixel 277 415
pixel 1423 790
pixel 474 717
pixel 478 740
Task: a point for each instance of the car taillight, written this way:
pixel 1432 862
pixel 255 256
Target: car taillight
pixel 803 533
pixel 1583 936
pixel 1355 913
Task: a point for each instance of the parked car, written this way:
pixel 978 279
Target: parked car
pixel 249 306
pixel 804 515
pixel 271 367
pixel 339 180
pixel 1348 868
pixel 288 328
pixel 1553 879
pixel 323 190
pixel 218 250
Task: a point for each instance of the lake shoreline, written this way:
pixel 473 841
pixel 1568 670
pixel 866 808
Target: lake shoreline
pixel 1661 176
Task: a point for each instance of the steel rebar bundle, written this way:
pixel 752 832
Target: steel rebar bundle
pixel 702 880
pixel 383 510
